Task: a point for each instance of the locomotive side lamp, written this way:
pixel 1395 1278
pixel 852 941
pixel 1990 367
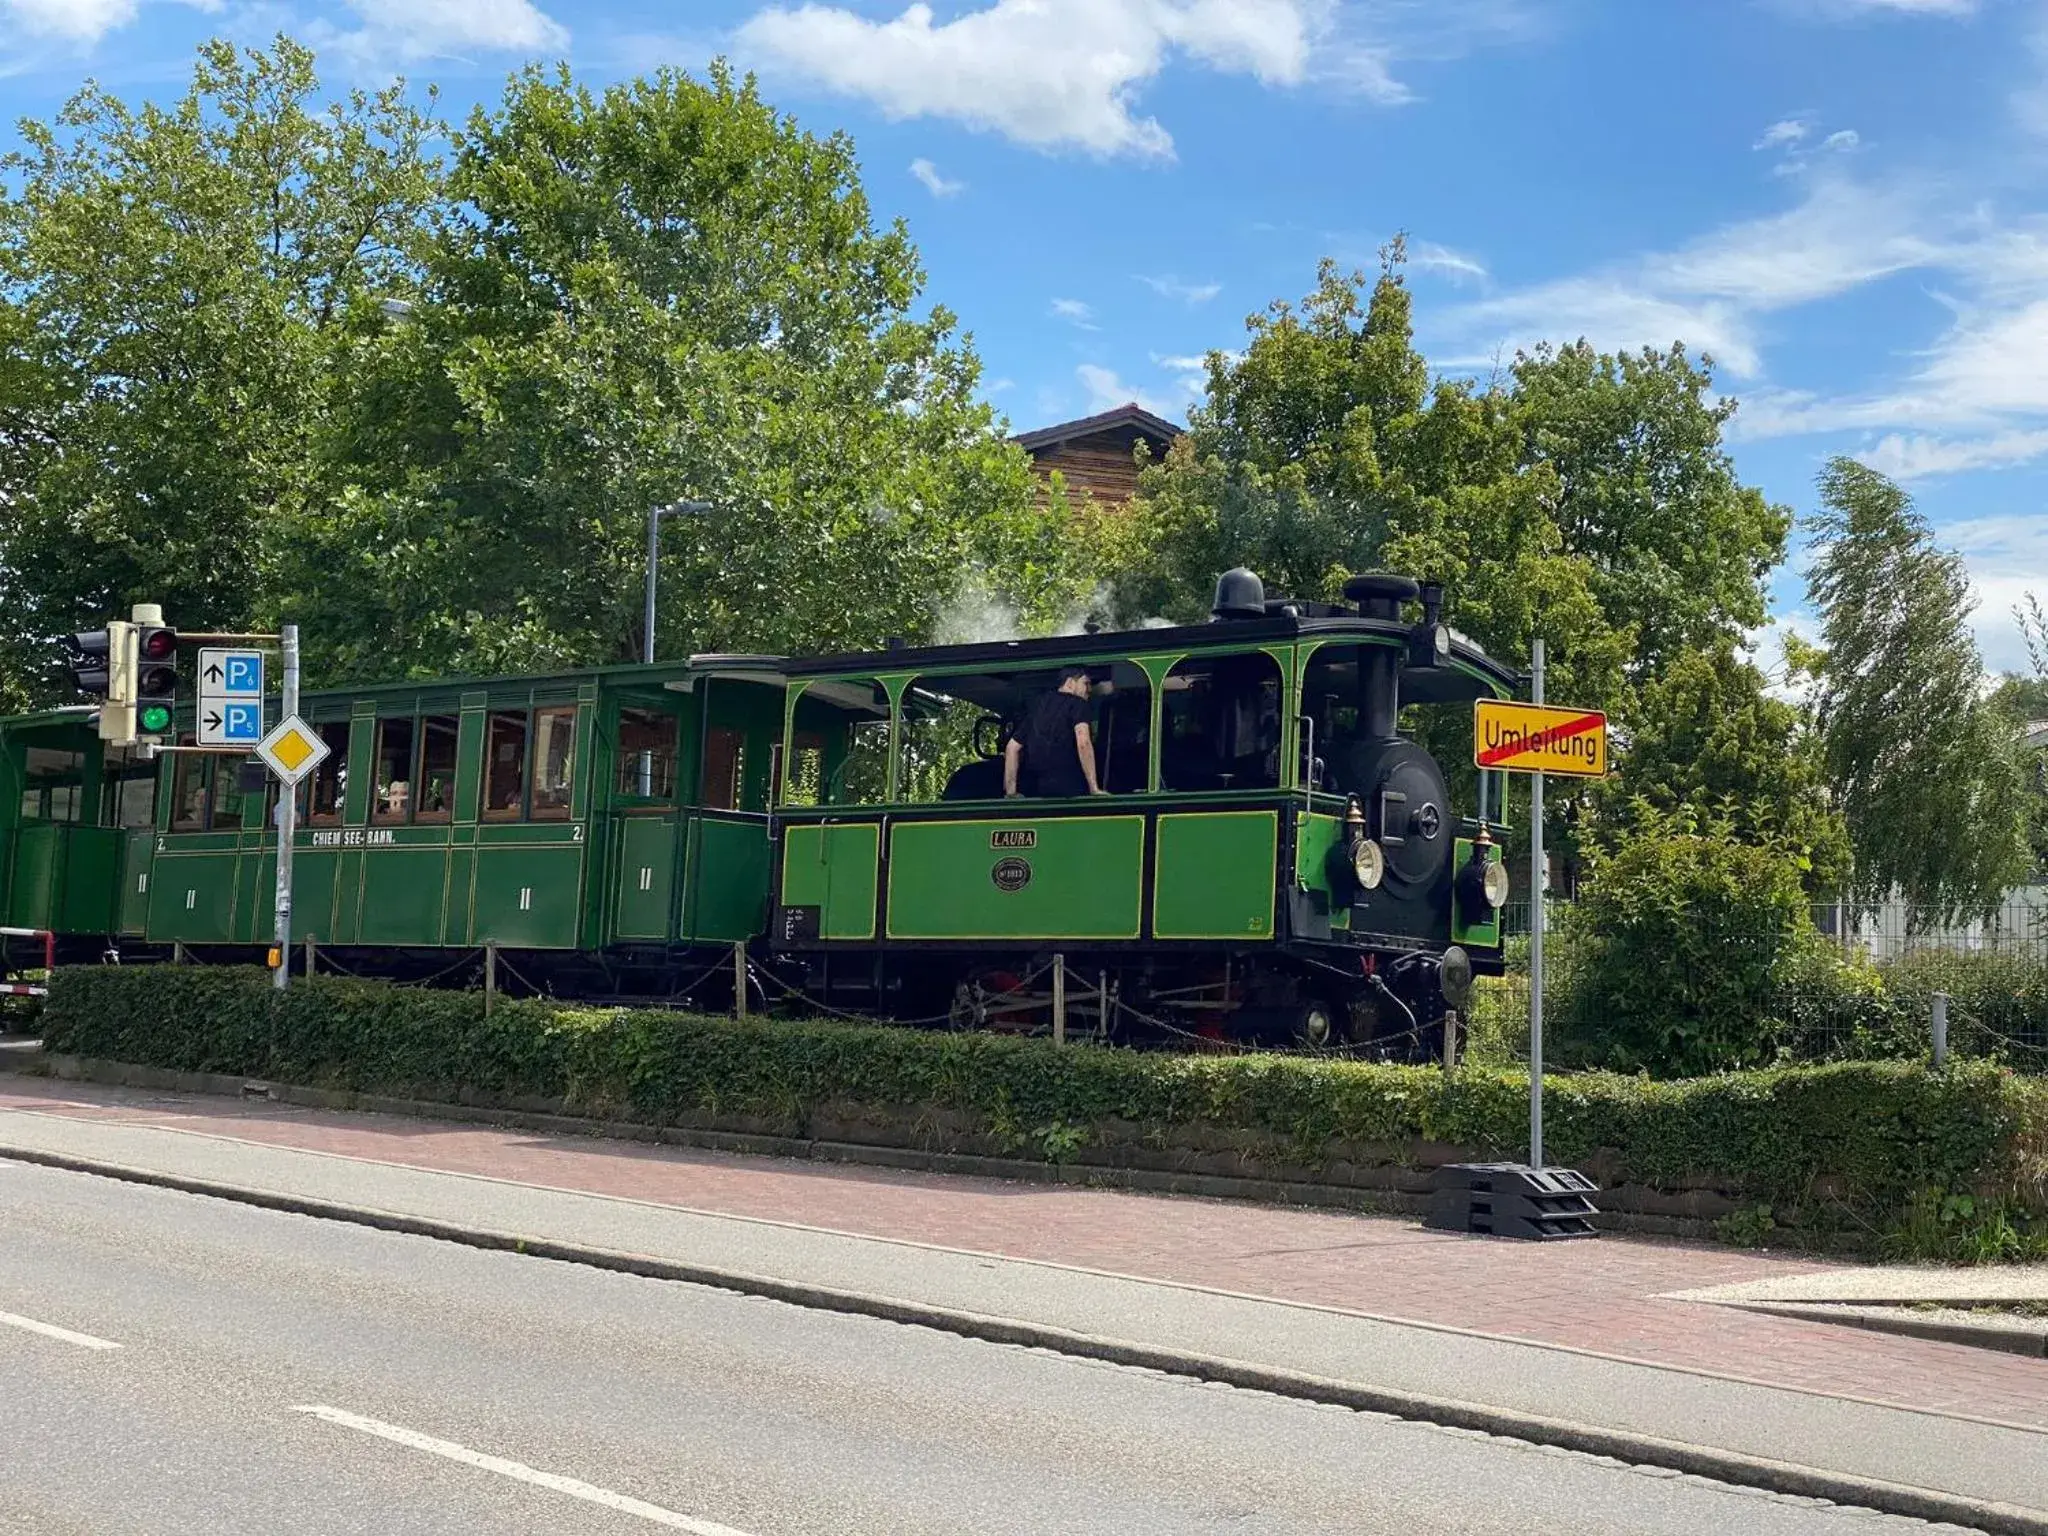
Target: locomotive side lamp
pixel 1368 859
pixel 1482 883
pixel 1429 643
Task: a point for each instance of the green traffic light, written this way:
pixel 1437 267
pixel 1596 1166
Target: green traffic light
pixel 154 719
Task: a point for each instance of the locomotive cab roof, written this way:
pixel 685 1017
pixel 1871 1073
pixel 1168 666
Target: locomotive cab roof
pixel 1245 621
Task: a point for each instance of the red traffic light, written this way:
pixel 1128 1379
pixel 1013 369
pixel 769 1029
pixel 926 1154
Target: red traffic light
pixel 156 681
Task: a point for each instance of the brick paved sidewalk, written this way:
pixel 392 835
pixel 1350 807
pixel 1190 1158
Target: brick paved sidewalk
pixel 1608 1296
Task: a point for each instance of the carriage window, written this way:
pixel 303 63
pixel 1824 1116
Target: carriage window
pixel 329 791
pixel 436 798
pixel 131 798
pixel 554 762
pixel 647 755
pixel 391 799
pixel 955 730
pixel 725 753
pixel 55 784
pixel 841 752
pixel 505 766
pixel 224 795
pixel 188 791
pixel 1221 724
pixel 806 769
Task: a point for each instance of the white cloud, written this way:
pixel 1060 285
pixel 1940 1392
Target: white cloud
pixel 1914 457
pixel 1187 293
pixel 2007 557
pixel 1190 374
pixel 1427 256
pixel 1789 130
pixel 1849 10
pixel 929 178
pixel 1057 74
pixel 406 31
pixel 1712 293
pixel 1614 311
pixel 1842 139
pixel 1074 312
pixel 1106 392
pixel 72 21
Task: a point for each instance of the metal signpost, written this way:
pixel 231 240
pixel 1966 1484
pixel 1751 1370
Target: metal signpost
pixel 1536 739
pixel 293 750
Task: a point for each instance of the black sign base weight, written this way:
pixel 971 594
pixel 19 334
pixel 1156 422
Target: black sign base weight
pixel 1512 1200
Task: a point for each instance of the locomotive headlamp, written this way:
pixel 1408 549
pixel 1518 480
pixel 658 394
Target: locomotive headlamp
pixel 1497 884
pixel 1368 864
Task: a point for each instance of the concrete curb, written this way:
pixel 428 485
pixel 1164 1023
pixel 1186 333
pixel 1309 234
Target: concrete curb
pixel 2015 1336
pixel 1623 1445
pixel 1256 1189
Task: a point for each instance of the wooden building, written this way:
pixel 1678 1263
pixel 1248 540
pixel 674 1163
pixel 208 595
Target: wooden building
pixel 1095 455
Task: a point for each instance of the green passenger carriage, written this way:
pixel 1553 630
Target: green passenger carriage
pixel 597 824
pixel 1272 856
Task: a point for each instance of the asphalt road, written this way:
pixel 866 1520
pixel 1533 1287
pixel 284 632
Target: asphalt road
pixel 173 1364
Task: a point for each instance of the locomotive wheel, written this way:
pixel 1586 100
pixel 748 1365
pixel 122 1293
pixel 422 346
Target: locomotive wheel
pixel 1315 1025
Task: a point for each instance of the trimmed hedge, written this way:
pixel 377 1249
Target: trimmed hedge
pixel 1940 1164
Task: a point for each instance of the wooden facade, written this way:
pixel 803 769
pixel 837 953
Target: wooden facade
pixel 1095 456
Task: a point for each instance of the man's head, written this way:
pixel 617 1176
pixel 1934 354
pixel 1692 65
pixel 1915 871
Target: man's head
pixel 1074 680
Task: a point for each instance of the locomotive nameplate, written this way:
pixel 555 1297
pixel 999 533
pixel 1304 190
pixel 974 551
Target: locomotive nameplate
pixel 1013 837
pixel 1539 738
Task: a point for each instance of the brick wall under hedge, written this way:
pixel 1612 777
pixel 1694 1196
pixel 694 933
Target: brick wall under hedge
pixel 1951 1163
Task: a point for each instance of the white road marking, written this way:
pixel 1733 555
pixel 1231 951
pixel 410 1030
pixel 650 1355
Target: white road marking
pixel 52 1331
pixel 400 1435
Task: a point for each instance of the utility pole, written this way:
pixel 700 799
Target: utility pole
pixel 654 516
pixel 1537 883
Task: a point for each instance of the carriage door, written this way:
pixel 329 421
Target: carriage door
pixel 649 829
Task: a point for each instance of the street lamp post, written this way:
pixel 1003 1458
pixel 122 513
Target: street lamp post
pixel 654 516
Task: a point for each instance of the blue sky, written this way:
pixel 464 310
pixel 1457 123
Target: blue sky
pixel 1844 201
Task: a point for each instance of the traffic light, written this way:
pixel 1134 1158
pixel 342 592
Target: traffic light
pixel 103 667
pixel 156 678
pixel 92 662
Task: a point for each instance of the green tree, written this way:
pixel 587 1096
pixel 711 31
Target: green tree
pixel 1679 548
pixel 1706 738
pixel 172 284
pixel 666 290
pixel 1682 946
pixel 1324 449
pixel 2023 697
pixel 1926 770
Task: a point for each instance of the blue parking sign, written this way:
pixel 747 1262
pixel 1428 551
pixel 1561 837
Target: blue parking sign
pixel 242 722
pixel 244 674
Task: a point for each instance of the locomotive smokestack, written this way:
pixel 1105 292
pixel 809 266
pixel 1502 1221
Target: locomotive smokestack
pixel 1380 596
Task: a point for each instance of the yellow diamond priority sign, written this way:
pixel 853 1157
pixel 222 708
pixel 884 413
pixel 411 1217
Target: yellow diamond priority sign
pixel 1539 738
pixel 293 750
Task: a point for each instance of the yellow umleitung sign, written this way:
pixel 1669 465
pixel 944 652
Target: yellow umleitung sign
pixel 1539 738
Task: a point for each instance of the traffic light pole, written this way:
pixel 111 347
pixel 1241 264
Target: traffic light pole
pixel 287 817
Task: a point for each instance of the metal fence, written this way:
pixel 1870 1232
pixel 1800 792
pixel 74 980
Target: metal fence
pixel 1870 988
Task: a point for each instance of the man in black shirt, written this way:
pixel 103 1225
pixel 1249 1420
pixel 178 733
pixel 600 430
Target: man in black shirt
pixel 1055 743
